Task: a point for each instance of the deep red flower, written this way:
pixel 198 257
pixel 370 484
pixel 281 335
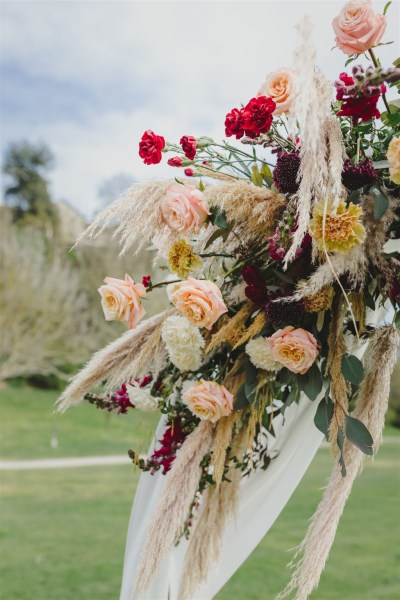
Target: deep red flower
pixel 175 161
pixel 189 145
pixel 146 279
pixel 256 293
pixel 172 439
pixel 252 275
pixel 361 107
pixel 234 124
pixel 257 115
pixel 150 147
pixel 189 172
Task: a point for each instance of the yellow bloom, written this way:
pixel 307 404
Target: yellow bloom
pixel 343 227
pixel 393 156
pixel 322 300
pixel 182 260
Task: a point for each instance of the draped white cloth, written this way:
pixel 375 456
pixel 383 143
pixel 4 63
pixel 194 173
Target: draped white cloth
pixel 263 495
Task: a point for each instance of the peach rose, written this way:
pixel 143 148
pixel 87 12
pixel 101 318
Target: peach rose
pixel 208 400
pixel 358 28
pixel 200 301
pixel 120 299
pixel 279 86
pixel 184 208
pixel 296 349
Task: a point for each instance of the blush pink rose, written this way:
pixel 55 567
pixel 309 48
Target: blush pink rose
pixel 200 301
pixel 279 85
pixel 296 349
pixel 120 299
pixel 357 27
pixel 184 208
pixel 208 400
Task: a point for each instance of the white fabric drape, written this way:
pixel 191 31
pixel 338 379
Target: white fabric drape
pixel 263 496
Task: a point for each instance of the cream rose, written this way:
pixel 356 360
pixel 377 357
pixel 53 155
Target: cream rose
pixel 393 156
pixel 208 400
pixel 200 301
pixel 296 349
pixel 120 299
pixel 357 27
pixel 279 86
pixel 184 208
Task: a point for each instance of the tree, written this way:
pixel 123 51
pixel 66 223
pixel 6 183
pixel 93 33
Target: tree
pixel 25 166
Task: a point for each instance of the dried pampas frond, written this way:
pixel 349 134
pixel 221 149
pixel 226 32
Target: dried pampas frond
pixel 254 209
pixel 136 216
pixel 336 154
pixel 232 329
pixel 205 541
pixel 371 406
pixel 178 493
pixel 311 108
pixel 339 386
pixel 254 328
pixel 223 435
pixel 119 361
pixel 354 264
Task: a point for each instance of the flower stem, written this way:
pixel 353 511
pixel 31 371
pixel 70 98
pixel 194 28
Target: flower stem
pixel 377 64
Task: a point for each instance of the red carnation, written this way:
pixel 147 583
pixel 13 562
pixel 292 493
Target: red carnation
pixel 175 161
pixel 189 145
pixel 146 280
pixel 257 116
pixel 234 123
pixel 189 172
pixel 150 147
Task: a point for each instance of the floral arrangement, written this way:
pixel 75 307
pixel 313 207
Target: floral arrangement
pixel 277 246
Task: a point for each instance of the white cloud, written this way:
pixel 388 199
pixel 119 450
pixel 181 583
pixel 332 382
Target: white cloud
pixel 175 67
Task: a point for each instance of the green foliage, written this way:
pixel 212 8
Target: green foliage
pixel 311 382
pixel 324 415
pixel 352 369
pixel 359 435
pixel 25 166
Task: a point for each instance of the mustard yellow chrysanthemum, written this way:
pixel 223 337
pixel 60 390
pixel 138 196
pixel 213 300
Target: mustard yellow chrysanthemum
pixel 322 300
pixel 182 260
pixel 343 226
pixel 393 156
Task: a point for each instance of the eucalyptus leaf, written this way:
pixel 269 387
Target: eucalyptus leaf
pixel 340 442
pixel 311 382
pixel 324 415
pixel 352 369
pixel 240 401
pixel 214 236
pixel 387 6
pixel 358 434
pixel 381 202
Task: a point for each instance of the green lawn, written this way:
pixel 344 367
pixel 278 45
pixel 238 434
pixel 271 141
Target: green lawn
pixel 63 531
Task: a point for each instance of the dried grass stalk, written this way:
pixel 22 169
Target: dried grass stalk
pixel 223 435
pixel 232 330
pixel 339 386
pixel 254 210
pixel 254 328
pixel 117 362
pixel 371 406
pixel 311 108
pixel 137 216
pixel 177 495
pixel 354 264
pixel 205 541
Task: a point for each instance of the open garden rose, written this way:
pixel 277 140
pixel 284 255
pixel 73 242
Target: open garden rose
pixel 296 349
pixel 208 400
pixel 358 27
pixel 184 208
pixel 200 301
pixel 279 85
pixel 120 299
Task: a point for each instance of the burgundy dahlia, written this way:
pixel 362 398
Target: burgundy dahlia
pixel 285 173
pixel 356 176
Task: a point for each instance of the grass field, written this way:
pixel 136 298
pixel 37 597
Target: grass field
pixel 63 531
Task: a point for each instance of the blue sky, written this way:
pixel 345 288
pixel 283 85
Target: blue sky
pixel 89 77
